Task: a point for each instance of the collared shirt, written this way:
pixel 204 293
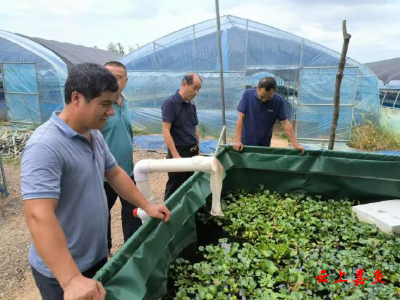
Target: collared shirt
pixel 183 118
pixel 260 117
pixel 59 163
pixel 119 137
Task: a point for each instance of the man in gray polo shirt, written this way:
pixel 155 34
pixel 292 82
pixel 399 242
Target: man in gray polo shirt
pixel 62 172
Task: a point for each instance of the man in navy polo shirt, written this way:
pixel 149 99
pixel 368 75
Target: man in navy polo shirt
pixel 259 109
pixel 180 128
pixel 63 167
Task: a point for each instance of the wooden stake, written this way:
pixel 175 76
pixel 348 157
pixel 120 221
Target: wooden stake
pixel 339 77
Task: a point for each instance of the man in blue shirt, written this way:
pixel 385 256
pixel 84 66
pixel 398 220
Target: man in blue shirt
pixel 63 168
pixel 258 111
pixel 180 128
pixel 118 135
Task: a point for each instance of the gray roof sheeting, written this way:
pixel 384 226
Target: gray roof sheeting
pixel 75 54
pixel 386 70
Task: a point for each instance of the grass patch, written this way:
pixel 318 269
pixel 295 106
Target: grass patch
pixel 11 161
pixel 140 131
pixel 283 135
pixel 372 136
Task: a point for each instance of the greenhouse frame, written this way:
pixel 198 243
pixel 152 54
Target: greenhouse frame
pixel 33 72
pixel 305 72
pixel 388 73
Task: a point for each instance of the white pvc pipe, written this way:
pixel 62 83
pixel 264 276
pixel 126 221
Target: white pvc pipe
pixel 192 164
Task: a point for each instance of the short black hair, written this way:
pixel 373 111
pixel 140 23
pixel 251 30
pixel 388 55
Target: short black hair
pixel 115 63
pixel 267 83
pixel 189 78
pixel 91 80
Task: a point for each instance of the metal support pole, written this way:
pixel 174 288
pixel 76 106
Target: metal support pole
pixel 395 100
pixel 221 70
pixel 246 53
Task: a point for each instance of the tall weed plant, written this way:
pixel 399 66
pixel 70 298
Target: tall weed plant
pixel 371 136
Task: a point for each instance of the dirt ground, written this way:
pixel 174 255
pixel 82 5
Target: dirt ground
pixel 16 281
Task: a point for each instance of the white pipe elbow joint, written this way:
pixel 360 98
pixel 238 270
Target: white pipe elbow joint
pixel 141 170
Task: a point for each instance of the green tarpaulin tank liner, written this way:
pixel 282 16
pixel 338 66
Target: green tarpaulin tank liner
pixel 139 269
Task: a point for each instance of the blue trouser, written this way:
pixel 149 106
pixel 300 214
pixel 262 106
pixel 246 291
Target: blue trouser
pixel 50 289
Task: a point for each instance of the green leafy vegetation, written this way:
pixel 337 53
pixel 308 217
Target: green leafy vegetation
pixel 281 243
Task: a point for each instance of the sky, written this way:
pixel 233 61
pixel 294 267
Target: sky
pixel 373 24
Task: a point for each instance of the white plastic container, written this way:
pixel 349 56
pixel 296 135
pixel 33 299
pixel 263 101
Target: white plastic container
pixel 140 213
pixel 384 214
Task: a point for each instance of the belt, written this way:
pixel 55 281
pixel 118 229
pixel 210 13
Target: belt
pixel 191 149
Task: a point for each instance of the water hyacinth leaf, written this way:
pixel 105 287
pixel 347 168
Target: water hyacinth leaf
pixel 270 267
pixel 296 296
pixel 282 242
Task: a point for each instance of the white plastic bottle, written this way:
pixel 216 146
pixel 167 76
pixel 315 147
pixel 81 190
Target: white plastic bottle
pixel 141 214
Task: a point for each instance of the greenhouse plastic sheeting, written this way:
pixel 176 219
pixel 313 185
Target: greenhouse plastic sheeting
pixel 156 142
pixel 250 51
pixel 145 99
pixel 33 78
pixel 21 92
pixel 315 104
pixel 24 108
pixel 139 269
